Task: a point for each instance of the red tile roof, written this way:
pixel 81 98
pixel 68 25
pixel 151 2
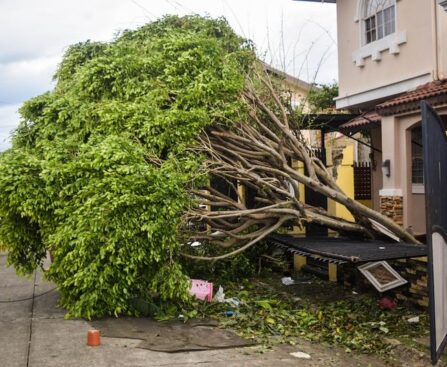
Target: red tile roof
pixel 434 92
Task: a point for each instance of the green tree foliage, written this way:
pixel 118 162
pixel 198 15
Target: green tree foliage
pixel 100 166
pixel 323 98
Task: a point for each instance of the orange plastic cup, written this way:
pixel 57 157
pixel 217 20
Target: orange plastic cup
pixel 93 338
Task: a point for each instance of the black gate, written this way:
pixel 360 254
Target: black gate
pixel 435 178
pixel 318 200
pixel 362 180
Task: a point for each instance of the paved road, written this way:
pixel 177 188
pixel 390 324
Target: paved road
pixel 33 333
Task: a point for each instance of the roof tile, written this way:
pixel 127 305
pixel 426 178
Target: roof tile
pixel 435 92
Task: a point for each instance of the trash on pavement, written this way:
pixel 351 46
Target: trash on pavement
pixel 93 338
pixel 413 320
pixel 201 289
pixel 301 355
pixel 287 281
pixel 233 301
pixel 219 296
pixel 386 304
pixel 229 313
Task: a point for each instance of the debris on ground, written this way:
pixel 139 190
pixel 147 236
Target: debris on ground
pixel 320 312
pixel 229 313
pixel 219 296
pixel 386 303
pixel 287 281
pixel 290 281
pixel 301 355
pixel 201 289
pixel 413 320
pixel 233 301
pixel 393 342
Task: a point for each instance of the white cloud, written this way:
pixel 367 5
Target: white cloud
pixel 9 118
pixel 23 79
pixel 291 35
pixel 32 29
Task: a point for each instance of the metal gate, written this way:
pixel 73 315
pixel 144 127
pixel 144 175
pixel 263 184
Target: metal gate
pixel 316 199
pixel 362 180
pixel 435 179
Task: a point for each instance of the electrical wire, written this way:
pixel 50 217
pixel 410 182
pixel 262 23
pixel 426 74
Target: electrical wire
pixel 31 320
pixel 29 298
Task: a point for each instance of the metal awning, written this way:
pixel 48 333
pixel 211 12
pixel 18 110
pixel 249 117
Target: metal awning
pixel 320 1
pixel 348 250
pixel 362 122
pixel 325 121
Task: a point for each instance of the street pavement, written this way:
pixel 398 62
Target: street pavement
pixel 34 333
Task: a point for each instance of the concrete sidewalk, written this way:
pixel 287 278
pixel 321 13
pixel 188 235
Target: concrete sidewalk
pixel 33 333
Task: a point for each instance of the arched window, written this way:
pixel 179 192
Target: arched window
pixel 379 17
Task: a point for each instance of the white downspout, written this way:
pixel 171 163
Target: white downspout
pixel 435 40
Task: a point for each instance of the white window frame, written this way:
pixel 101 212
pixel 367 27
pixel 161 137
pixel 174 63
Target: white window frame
pixel 390 42
pixel 398 280
pixel 417 188
pixel 376 15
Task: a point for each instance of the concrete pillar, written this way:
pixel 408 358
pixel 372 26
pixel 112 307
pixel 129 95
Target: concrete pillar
pixel 332 269
pixel 391 194
pixel 298 262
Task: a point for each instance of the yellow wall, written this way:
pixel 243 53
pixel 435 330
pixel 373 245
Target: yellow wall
pixel 345 180
pixel 367 203
pixel 299 166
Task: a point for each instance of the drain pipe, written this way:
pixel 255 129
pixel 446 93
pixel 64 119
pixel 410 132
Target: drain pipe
pixel 435 39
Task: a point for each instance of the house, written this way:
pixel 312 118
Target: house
pixel 296 90
pixel 391 55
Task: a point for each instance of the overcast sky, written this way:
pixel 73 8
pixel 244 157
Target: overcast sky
pixel 293 36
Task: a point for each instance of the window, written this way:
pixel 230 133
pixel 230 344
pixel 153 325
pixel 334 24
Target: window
pixel 417 162
pixel 379 19
pixel 417 170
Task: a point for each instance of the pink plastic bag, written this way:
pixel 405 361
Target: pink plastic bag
pixel 201 289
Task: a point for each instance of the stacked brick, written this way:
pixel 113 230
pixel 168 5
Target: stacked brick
pixel 415 272
pixel 392 207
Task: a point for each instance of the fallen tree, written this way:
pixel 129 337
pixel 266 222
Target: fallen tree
pixel 109 169
pixel 100 166
pixel 259 154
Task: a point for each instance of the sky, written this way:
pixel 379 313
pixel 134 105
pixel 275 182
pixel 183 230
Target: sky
pixel 297 37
